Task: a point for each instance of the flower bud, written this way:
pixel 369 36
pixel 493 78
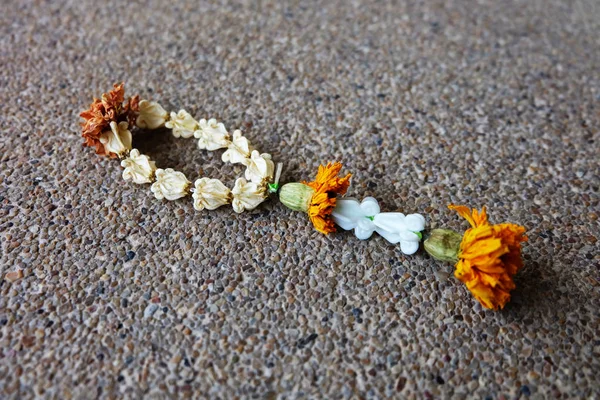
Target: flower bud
pixel 151 116
pixel 118 139
pixel 443 244
pixel 296 196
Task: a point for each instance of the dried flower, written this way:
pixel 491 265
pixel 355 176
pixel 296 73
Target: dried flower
pixel 182 124
pixel 212 135
pixel 246 195
pixel 117 140
pixel 102 112
pixel 488 258
pixel 238 150
pixel 138 167
pixel 170 184
pixel 259 167
pixel 131 109
pixel 151 115
pixel 210 194
pixel 327 186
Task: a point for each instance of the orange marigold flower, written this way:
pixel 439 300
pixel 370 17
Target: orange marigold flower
pixel 103 111
pixel 327 185
pixel 489 257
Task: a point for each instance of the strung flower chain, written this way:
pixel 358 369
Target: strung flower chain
pixel 486 256
pixel 107 126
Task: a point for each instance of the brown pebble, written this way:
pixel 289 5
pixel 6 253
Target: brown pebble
pixel 14 276
pixel 28 341
pixel 400 383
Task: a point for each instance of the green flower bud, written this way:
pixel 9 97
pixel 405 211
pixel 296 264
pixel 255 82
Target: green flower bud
pixel 443 244
pixel 296 196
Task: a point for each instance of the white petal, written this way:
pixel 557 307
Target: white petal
pixel 212 135
pixel 364 229
pixel 138 167
pixel 391 222
pixel 151 115
pixel 370 206
pixel 170 184
pixel 389 236
pixel 246 195
pixel 408 236
pixel 182 124
pixel 259 167
pixel 346 213
pixel 118 139
pixel 238 149
pixel 415 222
pixel 349 208
pixel 343 222
pixel 210 194
pixel 409 247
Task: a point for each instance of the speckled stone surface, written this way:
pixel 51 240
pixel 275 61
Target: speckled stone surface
pixel 427 103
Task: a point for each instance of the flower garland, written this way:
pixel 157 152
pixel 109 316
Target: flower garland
pixel 107 126
pixel 486 256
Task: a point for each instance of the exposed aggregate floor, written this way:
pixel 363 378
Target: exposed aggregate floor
pixel 106 292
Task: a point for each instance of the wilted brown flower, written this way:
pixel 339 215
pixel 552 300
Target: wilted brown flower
pixel 103 111
pixel 132 109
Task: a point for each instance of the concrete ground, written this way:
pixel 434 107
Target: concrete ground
pixel 426 103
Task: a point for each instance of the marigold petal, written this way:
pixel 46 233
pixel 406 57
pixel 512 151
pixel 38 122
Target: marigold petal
pixel 323 225
pixel 464 212
pixel 327 185
pixel 328 181
pixel 489 297
pixel 474 217
pixel 463 271
pixel 480 217
pixel 489 257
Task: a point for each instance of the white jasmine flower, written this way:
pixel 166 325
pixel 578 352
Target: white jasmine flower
pixel 138 167
pixel 170 184
pixel 151 115
pixel 246 195
pixel 212 135
pixel 365 219
pixel 238 149
pixel 183 124
pixel 118 139
pixel 210 194
pixel 259 167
